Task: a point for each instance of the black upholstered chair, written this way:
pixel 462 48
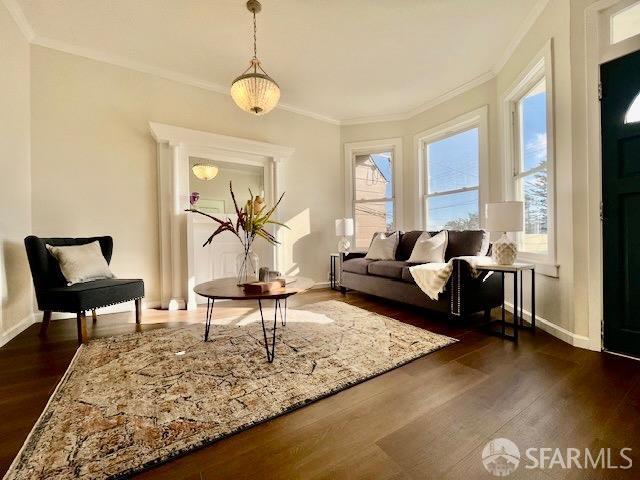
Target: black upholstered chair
pixel 54 295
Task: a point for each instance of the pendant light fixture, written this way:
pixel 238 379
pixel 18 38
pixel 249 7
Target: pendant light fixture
pixel 254 91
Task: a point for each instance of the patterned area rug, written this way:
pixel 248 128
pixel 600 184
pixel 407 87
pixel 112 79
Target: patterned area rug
pixel 130 402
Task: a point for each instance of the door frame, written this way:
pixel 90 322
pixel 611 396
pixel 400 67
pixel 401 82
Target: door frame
pixel 597 52
pixel 175 145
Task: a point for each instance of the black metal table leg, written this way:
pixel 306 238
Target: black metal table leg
pixel 533 299
pixel 207 322
pixel 520 314
pixel 503 313
pixel 270 354
pixel 283 319
pixel 515 306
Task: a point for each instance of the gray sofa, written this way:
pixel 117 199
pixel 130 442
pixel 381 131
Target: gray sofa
pixel 391 279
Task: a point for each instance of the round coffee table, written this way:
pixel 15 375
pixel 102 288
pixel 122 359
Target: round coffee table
pixel 227 289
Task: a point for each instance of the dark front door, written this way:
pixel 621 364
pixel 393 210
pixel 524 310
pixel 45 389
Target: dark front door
pixel 620 117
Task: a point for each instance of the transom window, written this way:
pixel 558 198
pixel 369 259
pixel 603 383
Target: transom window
pixel 452 181
pixel 625 23
pixel 373 195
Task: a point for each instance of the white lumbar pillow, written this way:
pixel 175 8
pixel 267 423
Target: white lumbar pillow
pixel 81 263
pixel 429 249
pixel 383 247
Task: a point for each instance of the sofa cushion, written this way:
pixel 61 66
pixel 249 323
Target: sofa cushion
pixel 467 242
pixel 406 243
pixel 356 265
pixel 387 268
pixel 406 275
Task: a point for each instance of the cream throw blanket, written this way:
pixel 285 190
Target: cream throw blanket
pixel 432 277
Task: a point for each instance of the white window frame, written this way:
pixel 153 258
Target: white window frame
pixel 393 145
pixel 475 119
pixel 540 68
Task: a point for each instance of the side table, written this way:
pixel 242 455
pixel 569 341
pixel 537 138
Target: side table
pixel 517 269
pixel 334 267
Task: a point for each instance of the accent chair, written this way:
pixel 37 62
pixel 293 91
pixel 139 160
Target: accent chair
pixel 54 295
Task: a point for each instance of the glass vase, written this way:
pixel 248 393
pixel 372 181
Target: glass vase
pixel 247 267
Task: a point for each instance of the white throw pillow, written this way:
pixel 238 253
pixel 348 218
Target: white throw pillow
pixel 429 249
pixel 383 247
pixel 81 263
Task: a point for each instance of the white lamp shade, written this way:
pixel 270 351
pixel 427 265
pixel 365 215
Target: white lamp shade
pixel 344 227
pixel 504 217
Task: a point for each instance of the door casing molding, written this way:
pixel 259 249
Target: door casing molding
pixel 175 145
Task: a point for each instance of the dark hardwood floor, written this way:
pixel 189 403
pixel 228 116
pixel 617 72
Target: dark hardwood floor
pixel 429 419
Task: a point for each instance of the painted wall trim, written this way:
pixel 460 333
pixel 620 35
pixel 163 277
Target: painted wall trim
pixel 351 150
pixel 475 118
pixel 18 16
pixel 522 31
pixel 16 330
pixel 557 331
pixel 465 87
pixel 27 30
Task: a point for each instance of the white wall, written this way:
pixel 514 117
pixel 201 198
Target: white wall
pixel 555 296
pixel 15 181
pixel 95 160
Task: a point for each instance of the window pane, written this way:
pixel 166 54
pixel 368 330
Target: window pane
pixel 534 192
pixel 372 217
pixel 633 114
pixel 455 211
pixel 625 24
pixel 533 128
pixel 372 177
pixel 453 162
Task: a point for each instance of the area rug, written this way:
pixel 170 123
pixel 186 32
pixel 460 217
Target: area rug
pixel 130 402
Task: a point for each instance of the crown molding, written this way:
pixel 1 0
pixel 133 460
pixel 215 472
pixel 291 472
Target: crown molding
pixel 27 30
pixel 157 71
pixel 18 16
pixel 522 31
pixel 479 80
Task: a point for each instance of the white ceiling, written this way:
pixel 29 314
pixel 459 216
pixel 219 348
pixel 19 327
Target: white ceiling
pixel 341 59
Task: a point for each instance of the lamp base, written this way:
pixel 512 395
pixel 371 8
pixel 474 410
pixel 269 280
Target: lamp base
pixel 344 245
pixel 504 251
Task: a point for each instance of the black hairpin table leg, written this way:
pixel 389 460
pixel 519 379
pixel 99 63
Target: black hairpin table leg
pixel 207 322
pixel 283 319
pixel 270 354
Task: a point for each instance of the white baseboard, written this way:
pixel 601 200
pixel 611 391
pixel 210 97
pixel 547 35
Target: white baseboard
pixel 16 330
pixel 556 330
pixel 320 285
pixel 118 308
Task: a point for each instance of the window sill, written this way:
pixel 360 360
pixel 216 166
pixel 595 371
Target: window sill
pixel 543 267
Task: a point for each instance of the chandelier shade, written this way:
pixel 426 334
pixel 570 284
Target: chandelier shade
pixel 204 171
pixel 254 91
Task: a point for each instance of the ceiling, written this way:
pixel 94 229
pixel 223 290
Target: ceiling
pixel 339 59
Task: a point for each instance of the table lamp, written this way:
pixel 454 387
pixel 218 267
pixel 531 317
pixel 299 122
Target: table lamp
pixel 344 229
pixel 504 217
